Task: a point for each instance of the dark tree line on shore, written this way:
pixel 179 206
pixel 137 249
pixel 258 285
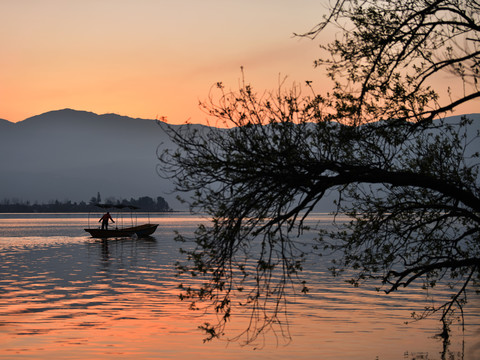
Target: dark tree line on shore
pixel 144 203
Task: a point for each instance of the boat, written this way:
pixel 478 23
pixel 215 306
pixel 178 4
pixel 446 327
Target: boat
pixel 144 230
pixel 140 231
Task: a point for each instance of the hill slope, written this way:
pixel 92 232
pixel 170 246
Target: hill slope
pixel 68 154
pixel 72 155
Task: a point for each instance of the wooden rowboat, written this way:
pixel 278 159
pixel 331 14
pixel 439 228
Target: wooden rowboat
pixel 129 231
pixel 140 231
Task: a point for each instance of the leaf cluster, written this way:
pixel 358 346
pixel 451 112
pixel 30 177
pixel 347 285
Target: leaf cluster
pixel 393 55
pixel 407 178
pixel 412 194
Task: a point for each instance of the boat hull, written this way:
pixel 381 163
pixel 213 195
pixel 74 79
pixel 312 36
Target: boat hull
pixel 140 231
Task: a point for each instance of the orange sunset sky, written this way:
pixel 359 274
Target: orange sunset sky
pixel 147 58
pixel 150 58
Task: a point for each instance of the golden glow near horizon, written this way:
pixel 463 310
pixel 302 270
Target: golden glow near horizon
pixel 150 58
pixel 146 58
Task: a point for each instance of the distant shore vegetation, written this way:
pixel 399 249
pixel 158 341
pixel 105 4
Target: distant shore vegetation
pixel 144 203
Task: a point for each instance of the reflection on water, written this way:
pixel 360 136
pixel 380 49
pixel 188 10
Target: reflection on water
pixel 73 297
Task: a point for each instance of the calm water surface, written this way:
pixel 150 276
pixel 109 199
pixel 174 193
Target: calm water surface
pixel 65 295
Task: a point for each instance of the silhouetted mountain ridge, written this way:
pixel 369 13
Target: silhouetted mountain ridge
pixel 5 123
pixel 69 155
pixel 70 117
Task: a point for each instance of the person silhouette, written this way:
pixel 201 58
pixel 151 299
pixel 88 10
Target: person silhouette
pixel 104 219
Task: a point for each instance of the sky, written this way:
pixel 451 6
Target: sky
pixel 152 58
pixel 147 58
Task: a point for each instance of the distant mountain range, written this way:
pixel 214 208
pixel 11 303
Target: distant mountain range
pixel 73 155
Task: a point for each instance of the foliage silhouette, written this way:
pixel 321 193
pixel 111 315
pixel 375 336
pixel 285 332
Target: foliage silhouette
pixel 406 177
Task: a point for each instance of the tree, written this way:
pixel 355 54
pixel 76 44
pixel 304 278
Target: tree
pixel 392 52
pixel 409 184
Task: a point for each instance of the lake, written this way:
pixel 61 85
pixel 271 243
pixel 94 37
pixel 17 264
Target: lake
pixel 65 295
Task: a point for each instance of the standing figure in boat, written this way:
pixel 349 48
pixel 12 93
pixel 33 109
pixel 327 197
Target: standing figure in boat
pixel 104 219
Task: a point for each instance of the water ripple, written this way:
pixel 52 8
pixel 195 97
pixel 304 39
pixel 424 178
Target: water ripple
pixel 119 299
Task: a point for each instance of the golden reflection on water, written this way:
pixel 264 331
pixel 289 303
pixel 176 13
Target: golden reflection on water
pixel 74 297
pixel 99 297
